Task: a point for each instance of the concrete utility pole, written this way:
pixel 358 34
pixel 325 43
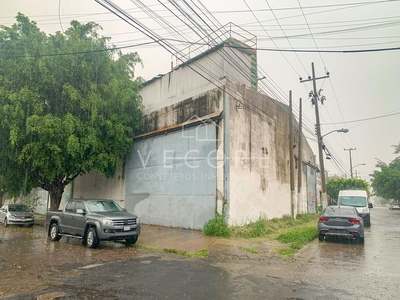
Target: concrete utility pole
pixel 324 200
pixel 300 158
pixel 351 166
pixel 291 159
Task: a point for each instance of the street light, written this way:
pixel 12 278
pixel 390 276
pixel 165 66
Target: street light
pixel 351 171
pixel 343 130
pixel 358 165
pixel 321 160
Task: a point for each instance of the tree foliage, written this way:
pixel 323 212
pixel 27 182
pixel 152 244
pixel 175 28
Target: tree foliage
pixel 333 186
pixel 386 181
pixel 69 104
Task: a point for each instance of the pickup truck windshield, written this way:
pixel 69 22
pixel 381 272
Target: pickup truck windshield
pixel 103 206
pixel 353 201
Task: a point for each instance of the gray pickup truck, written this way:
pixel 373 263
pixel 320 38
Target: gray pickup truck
pixel 93 221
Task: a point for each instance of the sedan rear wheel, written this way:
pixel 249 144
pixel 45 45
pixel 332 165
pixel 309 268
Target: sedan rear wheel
pixel 321 237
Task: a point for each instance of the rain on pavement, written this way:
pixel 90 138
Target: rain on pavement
pixel 33 267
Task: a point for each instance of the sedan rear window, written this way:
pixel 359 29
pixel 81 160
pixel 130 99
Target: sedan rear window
pixel 339 210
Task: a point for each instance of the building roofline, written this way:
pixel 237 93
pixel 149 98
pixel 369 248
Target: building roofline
pixel 230 43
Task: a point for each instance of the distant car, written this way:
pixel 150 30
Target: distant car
pixel 341 221
pixel 394 205
pixel 16 214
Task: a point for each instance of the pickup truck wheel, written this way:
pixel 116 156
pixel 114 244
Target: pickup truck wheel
pixel 54 236
pixel 131 240
pixel 92 240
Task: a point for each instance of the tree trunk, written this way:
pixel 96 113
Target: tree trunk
pixel 56 192
pixel 1 198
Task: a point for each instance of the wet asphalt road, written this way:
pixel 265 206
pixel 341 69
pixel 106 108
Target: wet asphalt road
pixel 32 267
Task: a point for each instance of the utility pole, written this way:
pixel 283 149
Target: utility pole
pixel 351 166
pixel 300 159
pixel 324 200
pixel 291 156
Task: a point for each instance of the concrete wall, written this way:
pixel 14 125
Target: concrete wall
pixel 92 185
pixel 259 178
pixel 178 195
pixel 40 199
pixel 184 82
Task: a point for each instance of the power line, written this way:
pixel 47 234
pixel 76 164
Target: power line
pixel 361 120
pixel 309 29
pixel 344 5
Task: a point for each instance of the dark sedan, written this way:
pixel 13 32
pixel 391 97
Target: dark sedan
pixel 341 221
pixel 18 214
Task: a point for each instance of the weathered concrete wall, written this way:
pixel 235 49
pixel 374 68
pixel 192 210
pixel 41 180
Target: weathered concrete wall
pixel 260 173
pixel 184 112
pixel 39 199
pixel 184 82
pixel 92 185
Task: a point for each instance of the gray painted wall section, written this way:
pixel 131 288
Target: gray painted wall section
pixel 171 178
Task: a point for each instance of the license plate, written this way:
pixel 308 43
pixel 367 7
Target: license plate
pixel 127 228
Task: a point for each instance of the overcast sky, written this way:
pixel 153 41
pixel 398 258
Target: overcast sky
pixel 362 92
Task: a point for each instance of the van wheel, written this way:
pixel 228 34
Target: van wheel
pixel 54 236
pixel 92 241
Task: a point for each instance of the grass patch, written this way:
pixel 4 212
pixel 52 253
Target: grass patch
pixel 274 227
pixel 299 237
pixel 217 227
pixel 251 250
pixel 148 247
pixel 298 231
pixel 201 253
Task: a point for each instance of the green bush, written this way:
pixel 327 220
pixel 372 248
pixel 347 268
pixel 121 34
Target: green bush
pixel 217 227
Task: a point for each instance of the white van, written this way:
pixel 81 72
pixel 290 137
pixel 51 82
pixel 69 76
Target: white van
pixel 359 200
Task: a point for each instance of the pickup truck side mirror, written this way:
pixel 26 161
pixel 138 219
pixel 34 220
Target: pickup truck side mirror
pixel 80 211
pixel 370 205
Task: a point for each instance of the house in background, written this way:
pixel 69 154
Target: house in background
pixel 210 142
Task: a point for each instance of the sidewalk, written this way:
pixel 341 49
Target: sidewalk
pixel 174 238
pixel 189 240
pixel 194 240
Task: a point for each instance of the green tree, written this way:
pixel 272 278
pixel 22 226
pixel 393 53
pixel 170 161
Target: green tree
pixel 386 181
pixel 69 104
pixel 333 186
